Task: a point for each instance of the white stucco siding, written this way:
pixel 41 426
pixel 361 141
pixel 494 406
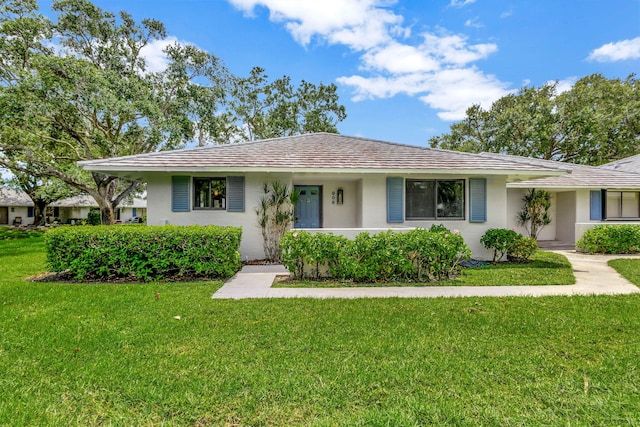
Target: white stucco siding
pixel 364 208
pixel 374 206
pixel 583 206
pixel 19 211
pixel 335 215
pixel 565 216
pixel 126 213
pixel 374 203
pixel 159 210
pixel 496 216
pixel 514 206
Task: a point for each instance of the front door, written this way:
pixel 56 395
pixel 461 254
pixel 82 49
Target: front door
pixel 307 210
pixel 4 215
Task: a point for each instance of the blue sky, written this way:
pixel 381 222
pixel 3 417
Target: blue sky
pixel 406 69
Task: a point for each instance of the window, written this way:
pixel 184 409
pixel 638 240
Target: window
pixel 433 199
pixel 623 204
pixel 210 193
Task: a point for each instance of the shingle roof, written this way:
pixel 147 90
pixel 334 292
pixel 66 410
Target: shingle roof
pixel 321 152
pixel 581 176
pixel 12 197
pixel 629 164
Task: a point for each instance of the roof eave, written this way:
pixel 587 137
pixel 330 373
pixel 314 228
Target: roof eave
pixel 128 170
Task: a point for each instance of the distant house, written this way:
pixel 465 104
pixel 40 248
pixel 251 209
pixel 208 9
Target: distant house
pixel 16 208
pixel 76 208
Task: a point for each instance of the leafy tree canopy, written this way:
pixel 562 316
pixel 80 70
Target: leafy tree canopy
pixel 79 88
pixel 263 109
pixel 596 121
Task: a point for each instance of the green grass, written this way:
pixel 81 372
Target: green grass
pixel 87 354
pixel 628 268
pixel 546 268
pixel 11 233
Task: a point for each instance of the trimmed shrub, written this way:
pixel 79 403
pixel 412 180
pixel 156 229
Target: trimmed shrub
pixel 94 217
pixel 416 255
pixel 499 240
pixel 611 239
pixel 522 249
pixel 144 253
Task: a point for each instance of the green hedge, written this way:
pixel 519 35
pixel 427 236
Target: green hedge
pixel 507 242
pixel 418 255
pixel 144 253
pixel 611 239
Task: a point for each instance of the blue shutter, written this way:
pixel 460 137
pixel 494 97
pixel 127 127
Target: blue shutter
pixel 180 193
pixel 395 199
pixel 134 212
pixel 595 205
pixel 477 200
pixel 235 194
pixel 30 212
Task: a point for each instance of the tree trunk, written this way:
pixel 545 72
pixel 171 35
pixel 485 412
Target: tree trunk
pixel 39 209
pixel 106 210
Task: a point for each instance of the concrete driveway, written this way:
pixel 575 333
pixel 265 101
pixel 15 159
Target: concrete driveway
pixel 593 277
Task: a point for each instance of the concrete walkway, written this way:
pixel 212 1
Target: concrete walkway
pixel 593 276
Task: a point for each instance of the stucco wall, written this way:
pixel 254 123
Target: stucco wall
pixel 333 214
pixel 583 223
pixel 514 205
pixel 375 208
pixel 159 210
pixel 21 211
pixel 126 213
pixel 566 216
pixel 364 207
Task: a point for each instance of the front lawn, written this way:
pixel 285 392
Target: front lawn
pixel 152 354
pixel 628 268
pixel 546 268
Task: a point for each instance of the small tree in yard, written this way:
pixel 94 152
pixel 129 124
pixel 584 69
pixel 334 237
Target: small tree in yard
pixel 275 215
pixel 499 240
pixel 534 215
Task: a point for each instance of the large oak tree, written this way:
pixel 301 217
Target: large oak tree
pixel 596 121
pixel 79 88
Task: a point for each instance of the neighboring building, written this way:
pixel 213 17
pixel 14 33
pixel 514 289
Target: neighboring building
pixel 16 208
pixel 76 208
pixel 347 185
pixel 582 199
pixel 629 164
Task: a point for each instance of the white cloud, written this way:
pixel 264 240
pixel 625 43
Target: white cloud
pixel 453 49
pixel 455 90
pixel 473 23
pixel 154 55
pixel 461 3
pixel 618 51
pixel 359 23
pixel 564 85
pixel 399 58
pixel 506 14
pixel 452 91
pixel 436 68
